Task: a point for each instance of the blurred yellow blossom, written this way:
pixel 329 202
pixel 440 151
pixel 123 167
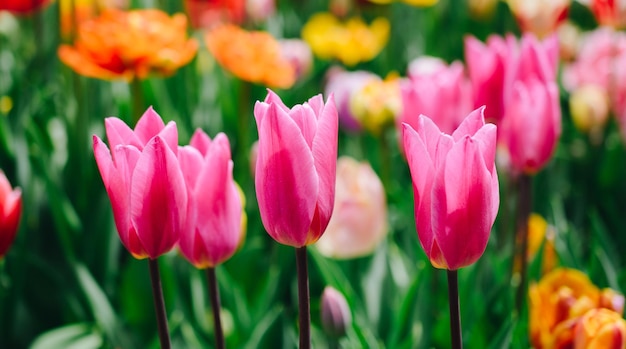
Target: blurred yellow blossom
pixel 130 45
pixel 253 56
pixel 540 234
pixel 540 17
pixel 351 42
pixel 558 301
pixel 590 106
pixel 377 103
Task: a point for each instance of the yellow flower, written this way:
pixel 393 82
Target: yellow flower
pixel 130 44
pixel 377 103
pixel 253 56
pixel 350 42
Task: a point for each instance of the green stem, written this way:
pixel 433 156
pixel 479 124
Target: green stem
pixel 138 107
pixel 244 117
pixel 524 196
pixel 303 298
pixel 214 294
pixel 385 159
pixel 455 312
pixel 159 304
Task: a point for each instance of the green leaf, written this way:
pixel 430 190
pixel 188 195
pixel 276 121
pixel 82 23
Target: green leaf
pixel 74 336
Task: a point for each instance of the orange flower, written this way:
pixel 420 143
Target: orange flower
pixel 129 45
pixel 559 300
pixel 75 12
pixel 600 328
pixel 253 56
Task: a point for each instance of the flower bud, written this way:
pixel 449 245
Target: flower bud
pixel 589 107
pixel 10 212
pixel 600 328
pixel 335 313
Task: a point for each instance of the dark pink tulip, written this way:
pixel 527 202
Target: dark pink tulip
pixel 145 183
pixel 213 230
pixel 10 212
pixel 532 126
pixel 295 169
pixel 435 89
pixel 456 188
pixel 486 66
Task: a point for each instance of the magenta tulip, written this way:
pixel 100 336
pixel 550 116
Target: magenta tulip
pixel 486 65
pixel 10 212
pixel 295 169
pixel 144 182
pixel 213 231
pixel 456 188
pixel 438 90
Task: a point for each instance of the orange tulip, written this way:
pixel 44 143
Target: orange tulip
pixel 557 303
pixel 130 45
pixel 600 328
pixel 253 56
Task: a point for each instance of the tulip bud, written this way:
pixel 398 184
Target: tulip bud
pixel 335 313
pixel 359 220
pixel 600 328
pixel 10 212
pixel 539 16
pixel 260 10
pixel 22 7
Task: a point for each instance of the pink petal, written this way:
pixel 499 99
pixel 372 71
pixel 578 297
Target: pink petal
pixel 273 98
pixel 305 118
pixel 149 125
pixel 158 198
pixel 462 205
pixel 287 183
pixel 422 170
pixel 470 125
pixel 437 143
pixel 170 135
pixel 119 191
pixel 119 133
pixel 325 157
pixel 190 160
pixel 201 141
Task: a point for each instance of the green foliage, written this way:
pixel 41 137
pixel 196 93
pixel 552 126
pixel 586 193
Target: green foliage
pixel 68 283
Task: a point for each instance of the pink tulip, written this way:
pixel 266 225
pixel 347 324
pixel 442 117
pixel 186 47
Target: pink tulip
pixel 145 184
pixel 456 188
pixel 10 212
pixel 486 66
pixel 213 231
pixel 435 89
pixel 359 221
pixel 295 169
pixel 531 128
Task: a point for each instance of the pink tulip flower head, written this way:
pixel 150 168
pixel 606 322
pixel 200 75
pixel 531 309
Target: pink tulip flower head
pixel 10 212
pixel 295 168
pixel 486 66
pixel 145 184
pixel 456 188
pixel 531 126
pixel 359 221
pixel 213 231
pixel 435 89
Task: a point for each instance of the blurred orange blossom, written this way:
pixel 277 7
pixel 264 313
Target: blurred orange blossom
pixel 130 45
pixel 351 42
pixel 559 300
pixel 253 56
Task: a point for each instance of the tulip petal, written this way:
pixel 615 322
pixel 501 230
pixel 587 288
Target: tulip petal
pixel 169 134
pixel 201 141
pixel 149 125
pixel 325 156
pixel 190 160
pixel 119 133
pixel 273 98
pixel 305 118
pixel 286 181
pixel 158 198
pixel 470 125
pixel 462 197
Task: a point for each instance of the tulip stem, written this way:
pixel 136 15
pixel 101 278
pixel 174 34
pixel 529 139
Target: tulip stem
pixel 455 312
pixel 303 298
pixel 214 294
pixel 524 197
pixel 159 304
